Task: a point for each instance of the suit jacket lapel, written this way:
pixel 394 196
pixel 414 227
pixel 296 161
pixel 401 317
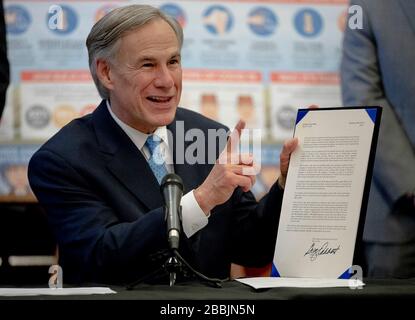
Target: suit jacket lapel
pixel 130 167
pixel 408 7
pixel 125 161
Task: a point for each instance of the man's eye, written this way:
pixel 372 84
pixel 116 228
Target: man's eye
pixel 147 65
pixel 174 61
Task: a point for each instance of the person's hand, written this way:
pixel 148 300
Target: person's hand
pixel 287 149
pixel 230 171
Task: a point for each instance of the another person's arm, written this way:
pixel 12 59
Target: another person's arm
pixel 361 81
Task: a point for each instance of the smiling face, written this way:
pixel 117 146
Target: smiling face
pixel 145 78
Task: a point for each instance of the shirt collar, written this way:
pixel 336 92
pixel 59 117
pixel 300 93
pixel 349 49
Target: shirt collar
pixel 139 138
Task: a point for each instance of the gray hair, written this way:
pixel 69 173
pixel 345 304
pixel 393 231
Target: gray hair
pixel 103 40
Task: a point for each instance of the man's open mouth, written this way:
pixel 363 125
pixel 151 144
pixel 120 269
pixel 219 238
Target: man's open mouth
pixel 159 99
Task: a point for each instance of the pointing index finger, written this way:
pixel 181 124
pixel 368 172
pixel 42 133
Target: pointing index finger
pixel 233 141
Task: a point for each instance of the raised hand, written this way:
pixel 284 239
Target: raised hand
pixel 230 171
pixel 287 149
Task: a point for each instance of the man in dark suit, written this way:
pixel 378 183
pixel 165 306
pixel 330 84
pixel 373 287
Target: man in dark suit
pixel 377 70
pixel 98 178
pixel 4 62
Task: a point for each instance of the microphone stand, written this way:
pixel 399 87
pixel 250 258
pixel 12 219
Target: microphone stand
pixel 174 265
pixel 175 262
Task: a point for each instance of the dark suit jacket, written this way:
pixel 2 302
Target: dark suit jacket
pixel 377 70
pixel 104 205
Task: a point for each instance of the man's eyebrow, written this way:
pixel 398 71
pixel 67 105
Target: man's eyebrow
pixel 144 58
pixel 151 59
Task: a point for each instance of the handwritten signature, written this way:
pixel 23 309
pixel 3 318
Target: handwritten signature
pixel 314 252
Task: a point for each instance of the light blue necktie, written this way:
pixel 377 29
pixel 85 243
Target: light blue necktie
pixel 156 161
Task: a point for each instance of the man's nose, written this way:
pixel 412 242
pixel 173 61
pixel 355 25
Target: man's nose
pixel 164 78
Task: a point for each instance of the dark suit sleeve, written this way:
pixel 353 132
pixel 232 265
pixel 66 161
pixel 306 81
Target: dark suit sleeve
pixel 255 227
pixel 95 244
pixel 4 62
pixel 361 81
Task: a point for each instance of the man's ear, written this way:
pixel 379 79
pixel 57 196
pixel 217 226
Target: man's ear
pixel 104 73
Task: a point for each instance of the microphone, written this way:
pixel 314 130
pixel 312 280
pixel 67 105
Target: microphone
pixel 172 190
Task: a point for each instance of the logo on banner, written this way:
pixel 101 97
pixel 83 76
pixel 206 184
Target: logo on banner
pixel 63 114
pixel 218 20
pixel 176 12
pixel 17 19
pixel 286 116
pixel 308 22
pixel 61 19
pixel 37 117
pixel 262 21
pixel 101 12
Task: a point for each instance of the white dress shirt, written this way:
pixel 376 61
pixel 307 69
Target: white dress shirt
pixel 193 217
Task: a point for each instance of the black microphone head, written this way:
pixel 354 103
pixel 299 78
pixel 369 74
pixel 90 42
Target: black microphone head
pixel 171 178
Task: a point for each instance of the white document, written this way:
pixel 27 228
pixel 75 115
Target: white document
pixel 20 292
pixel 323 192
pixel 267 282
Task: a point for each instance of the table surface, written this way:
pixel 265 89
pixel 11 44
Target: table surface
pixel 233 290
